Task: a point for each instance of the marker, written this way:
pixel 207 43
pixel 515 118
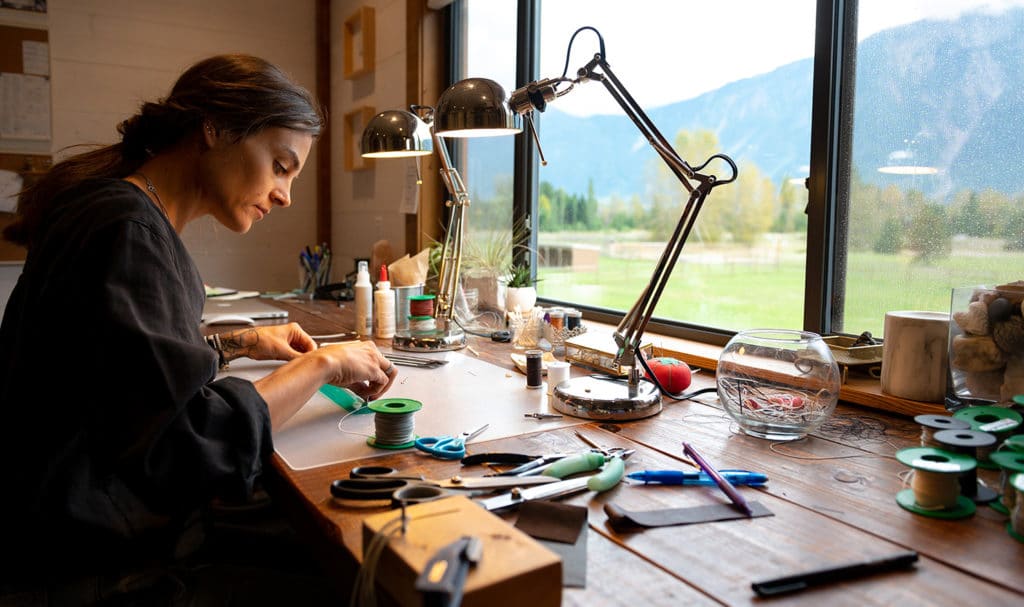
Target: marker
pixel 800 581
pixel 675 477
pixel 734 496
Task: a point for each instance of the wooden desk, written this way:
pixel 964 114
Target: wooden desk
pixel 832 495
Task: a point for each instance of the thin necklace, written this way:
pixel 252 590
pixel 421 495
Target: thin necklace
pixel 152 188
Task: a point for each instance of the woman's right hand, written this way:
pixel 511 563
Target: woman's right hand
pixel 358 366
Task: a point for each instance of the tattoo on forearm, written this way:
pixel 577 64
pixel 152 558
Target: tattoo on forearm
pixel 239 343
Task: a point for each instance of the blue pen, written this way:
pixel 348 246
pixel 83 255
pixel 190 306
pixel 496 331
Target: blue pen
pixel 675 477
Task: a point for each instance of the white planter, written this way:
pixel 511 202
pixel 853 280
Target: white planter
pixel 520 298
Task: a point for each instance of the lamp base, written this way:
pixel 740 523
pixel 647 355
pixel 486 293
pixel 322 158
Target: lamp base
pixel 437 340
pixel 593 398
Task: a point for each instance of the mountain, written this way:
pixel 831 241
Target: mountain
pixel 956 103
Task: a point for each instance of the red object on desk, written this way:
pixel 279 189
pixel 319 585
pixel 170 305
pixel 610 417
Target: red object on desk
pixel 673 375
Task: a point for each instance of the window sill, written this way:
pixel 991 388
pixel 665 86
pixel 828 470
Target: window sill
pixel 861 391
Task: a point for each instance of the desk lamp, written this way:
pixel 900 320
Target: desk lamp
pixel 595 398
pixel 474 107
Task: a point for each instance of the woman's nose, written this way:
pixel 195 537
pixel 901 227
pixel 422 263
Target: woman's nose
pixel 281 197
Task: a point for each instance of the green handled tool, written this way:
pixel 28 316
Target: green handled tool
pixel 602 481
pixel 574 464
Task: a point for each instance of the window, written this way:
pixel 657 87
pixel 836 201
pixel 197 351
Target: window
pixel 917 138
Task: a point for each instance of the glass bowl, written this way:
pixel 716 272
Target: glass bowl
pixel 778 384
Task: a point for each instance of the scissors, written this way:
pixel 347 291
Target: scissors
pixel 448 447
pixel 384 483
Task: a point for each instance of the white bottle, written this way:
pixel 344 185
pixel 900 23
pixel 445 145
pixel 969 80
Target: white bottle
pixel 384 307
pixel 364 301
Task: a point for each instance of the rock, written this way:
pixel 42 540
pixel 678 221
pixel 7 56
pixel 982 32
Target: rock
pixel 1009 335
pixel 984 384
pixel 973 321
pixel 1013 379
pixel 976 353
pixel 999 310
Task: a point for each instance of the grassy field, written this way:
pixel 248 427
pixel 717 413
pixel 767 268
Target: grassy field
pixel 739 288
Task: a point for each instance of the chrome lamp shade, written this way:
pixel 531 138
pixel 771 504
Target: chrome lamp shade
pixel 396 134
pixel 475 107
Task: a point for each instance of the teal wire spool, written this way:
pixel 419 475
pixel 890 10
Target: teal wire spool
pixel 1010 464
pixel 394 423
pixel 1014 443
pixel 1000 421
pixel 935 488
pixel 1016 525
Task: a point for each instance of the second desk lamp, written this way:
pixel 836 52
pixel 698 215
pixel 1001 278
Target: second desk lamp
pixel 474 107
pixel 590 397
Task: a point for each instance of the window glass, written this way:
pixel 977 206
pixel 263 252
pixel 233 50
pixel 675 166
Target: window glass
pixel 936 192
pixel 730 76
pixel 486 164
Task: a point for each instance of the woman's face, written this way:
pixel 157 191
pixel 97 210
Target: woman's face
pixel 244 180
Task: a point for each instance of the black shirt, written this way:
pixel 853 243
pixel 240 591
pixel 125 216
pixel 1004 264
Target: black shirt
pixel 112 428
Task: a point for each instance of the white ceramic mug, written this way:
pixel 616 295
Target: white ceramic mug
pixel 915 357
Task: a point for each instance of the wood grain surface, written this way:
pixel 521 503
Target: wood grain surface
pixel 832 496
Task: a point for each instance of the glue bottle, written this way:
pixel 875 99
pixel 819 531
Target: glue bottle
pixel 384 306
pixel 364 301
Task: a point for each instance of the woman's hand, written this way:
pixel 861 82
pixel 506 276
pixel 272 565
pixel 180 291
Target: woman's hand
pixel 360 367
pixel 267 342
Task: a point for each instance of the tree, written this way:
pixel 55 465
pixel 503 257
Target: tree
pixel 929 234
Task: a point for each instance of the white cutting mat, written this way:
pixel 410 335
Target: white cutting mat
pixel 457 397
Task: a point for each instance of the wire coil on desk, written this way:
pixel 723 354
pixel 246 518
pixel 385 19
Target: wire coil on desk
pixel 930 424
pixel 1010 464
pixel 969 443
pixel 394 423
pixel 1016 525
pixel 935 485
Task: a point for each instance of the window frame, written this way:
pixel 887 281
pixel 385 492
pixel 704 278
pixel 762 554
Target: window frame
pixel 827 184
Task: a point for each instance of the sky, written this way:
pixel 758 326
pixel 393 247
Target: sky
pixel 676 49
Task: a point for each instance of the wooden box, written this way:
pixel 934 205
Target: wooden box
pixel 514 570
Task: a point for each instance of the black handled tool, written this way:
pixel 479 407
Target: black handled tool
pixel 444 576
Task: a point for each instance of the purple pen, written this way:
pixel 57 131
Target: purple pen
pixel 723 484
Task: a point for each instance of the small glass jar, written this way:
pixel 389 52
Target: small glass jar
pixel 778 384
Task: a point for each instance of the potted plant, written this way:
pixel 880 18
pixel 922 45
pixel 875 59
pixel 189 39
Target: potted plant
pixel 520 289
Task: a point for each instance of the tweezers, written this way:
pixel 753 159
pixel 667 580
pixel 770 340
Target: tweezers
pixel 409 360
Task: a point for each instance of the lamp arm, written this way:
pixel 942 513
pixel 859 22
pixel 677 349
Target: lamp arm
pixel 451 253
pixel 630 330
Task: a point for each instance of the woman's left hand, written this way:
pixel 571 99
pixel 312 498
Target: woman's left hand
pixel 268 342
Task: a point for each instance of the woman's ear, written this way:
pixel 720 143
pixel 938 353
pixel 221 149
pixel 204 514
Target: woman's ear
pixel 209 134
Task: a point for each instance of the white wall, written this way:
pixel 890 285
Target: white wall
pixel 367 203
pixel 109 56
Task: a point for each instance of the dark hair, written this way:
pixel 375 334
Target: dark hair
pixel 239 95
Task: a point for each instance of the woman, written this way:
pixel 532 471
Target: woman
pixel 114 429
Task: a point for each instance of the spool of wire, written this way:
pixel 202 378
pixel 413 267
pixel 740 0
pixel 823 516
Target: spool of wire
pixel 394 423
pixel 968 442
pixel 935 486
pixel 534 369
pixel 930 424
pixel 422 324
pixel 999 421
pixel 1010 464
pixel 1016 525
pixel 421 305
